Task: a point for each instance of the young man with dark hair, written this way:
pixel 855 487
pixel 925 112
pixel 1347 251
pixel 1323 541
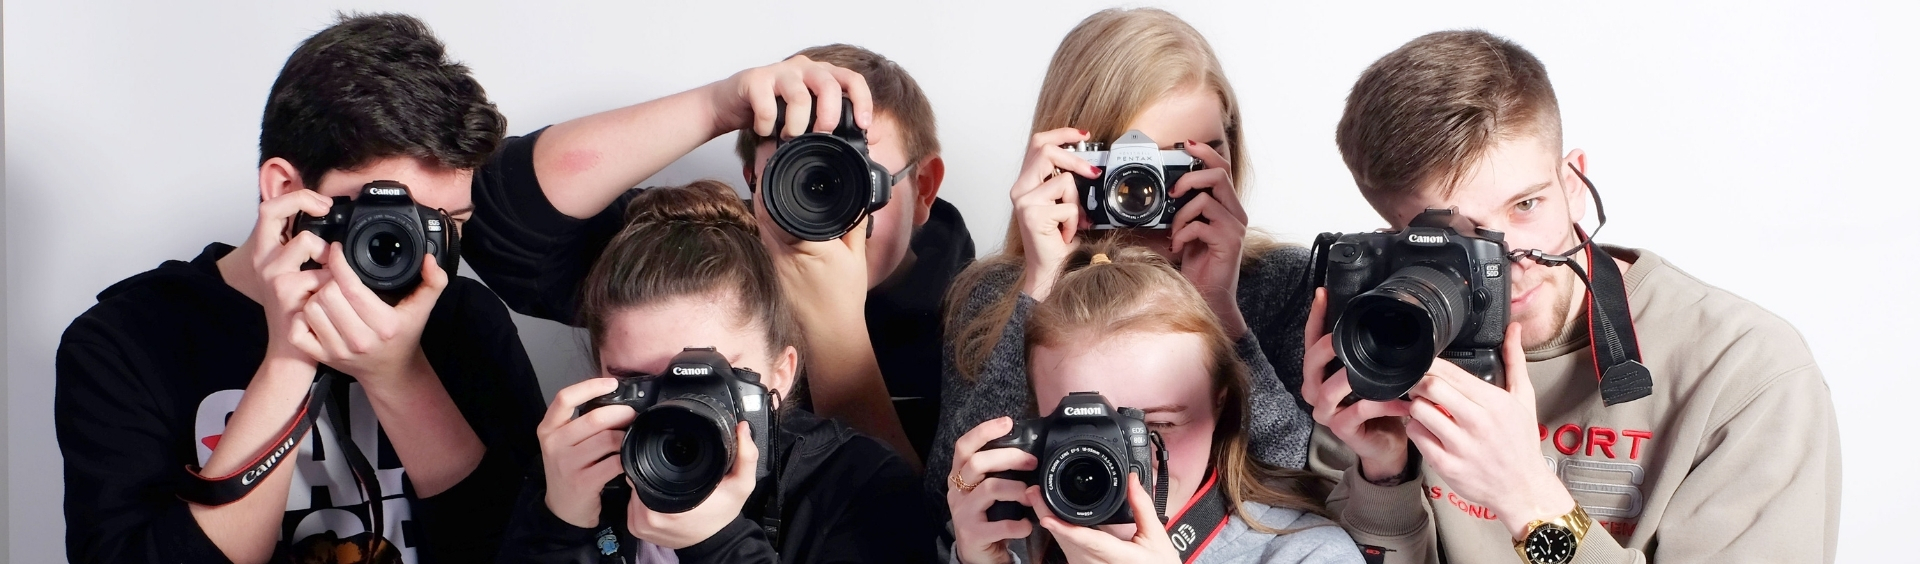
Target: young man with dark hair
pixel 1730 454
pixel 869 306
pixel 181 396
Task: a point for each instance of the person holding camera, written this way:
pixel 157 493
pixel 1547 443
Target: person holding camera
pixel 1122 322
pixel 867 294
pixel 1645 415
pixel 698 351
pixel 335 395
pixel 1173 107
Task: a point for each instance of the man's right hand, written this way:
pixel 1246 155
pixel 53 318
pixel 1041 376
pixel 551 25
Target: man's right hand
pixel 579 453
pixel 1376 431
pixel 749 99
pixel 276 266
pixel 1046 206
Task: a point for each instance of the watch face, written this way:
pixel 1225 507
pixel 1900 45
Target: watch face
pixel 1550 544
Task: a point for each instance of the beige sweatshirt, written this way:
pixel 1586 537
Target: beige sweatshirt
pixel 1734 458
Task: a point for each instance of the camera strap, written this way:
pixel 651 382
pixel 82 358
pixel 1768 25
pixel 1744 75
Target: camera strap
pixel 770 518
pixel 329 394
pixel 1200 521
pixel 1616 348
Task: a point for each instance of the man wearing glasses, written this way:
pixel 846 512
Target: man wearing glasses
pixel 561 194
pixel 1709 438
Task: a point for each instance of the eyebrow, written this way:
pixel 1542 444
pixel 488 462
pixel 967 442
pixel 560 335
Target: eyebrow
pixel 1170 408
pixel 1529 192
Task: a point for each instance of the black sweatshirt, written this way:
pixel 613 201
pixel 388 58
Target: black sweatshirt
pixel 536 257
pixel 845 498
pixel 144 382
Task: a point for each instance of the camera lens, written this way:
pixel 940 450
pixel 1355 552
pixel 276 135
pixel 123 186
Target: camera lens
pixel 384 248
pixel 1082 484
pixel 1389 336
pixel 1135 195
pixel 1085 482
pixel 676 452
pixel 817 187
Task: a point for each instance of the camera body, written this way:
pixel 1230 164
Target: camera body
pixel 386 236
pixel 1135 180
pixel 682 442
pixel 1086 448
pixel 818 186
pixel 1396 300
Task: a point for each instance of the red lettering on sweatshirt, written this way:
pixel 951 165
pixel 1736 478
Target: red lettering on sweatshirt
pixel 1619 529
pixel 1569 438
pixel 1468 507
pixel 1637 435
pixel 1601 437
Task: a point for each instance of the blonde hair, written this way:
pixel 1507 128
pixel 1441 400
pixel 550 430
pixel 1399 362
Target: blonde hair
pixel 1106 72
pixel 1136 290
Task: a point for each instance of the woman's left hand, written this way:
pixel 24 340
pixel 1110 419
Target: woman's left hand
pixel 1208 233
pixel 681 530
pixel 1087 545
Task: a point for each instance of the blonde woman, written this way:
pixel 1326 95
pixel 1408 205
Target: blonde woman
pixel 1131 70
pixel 1123 322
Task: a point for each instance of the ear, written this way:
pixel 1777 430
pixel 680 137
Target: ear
pixel 277 177
pixel 926 184
pixel 1576 190
pixel 783 375
pixel 746 173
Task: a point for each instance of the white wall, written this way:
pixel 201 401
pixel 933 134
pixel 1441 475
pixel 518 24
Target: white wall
pixel 1766 148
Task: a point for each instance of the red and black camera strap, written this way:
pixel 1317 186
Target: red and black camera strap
pixel 1195 526
pixel 328 394
pixel 1616 348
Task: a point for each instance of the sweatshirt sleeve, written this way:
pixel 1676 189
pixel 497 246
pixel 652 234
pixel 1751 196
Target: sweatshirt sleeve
pixel 1280 429
pixel 120 476
pixel 476 350
pixel 1394 520
pixel 536 536
pixel 1000 389
pixel 741 541
pixel 527 251
pixel 1765 489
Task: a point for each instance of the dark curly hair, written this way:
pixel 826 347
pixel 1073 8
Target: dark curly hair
pixel 373 86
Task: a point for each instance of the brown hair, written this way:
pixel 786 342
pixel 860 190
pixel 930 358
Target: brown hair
pixel 1428 111
pixel 895 93
pixel 1083 308
pixel 1108 70
pixel 692 240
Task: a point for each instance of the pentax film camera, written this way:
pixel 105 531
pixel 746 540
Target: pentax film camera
pixel 1134 182
pixel 1396 300
pixel 682 442
pixel 818 186
pixel 1086 448
pixel 386 236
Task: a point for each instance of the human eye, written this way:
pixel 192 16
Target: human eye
pixel 1527 205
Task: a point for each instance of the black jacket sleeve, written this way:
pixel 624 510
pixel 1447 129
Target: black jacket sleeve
pixel 537 536
pixel 120 476
pixel 477 352
pixel 529 253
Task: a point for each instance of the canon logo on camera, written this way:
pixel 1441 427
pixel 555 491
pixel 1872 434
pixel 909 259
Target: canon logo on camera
pixel 378 191
pixel 1083 411
pixel 692 370
pixel 1426 239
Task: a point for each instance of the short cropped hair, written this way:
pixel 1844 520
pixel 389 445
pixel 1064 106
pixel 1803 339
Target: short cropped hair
pixel 371 87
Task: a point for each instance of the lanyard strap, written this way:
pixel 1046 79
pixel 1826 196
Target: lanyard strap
pixel 1203 517
pixel 1616 348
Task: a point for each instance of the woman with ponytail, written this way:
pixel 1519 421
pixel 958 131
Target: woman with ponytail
pixel 689 270
pixel 1123 322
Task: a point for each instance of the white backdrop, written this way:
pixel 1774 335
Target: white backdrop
pixel 1766 148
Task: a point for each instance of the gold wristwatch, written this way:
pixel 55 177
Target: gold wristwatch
pixel 1554 541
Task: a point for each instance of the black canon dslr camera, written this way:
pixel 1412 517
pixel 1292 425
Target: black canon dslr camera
pixel 386 236
pixel 682 442
pixel 1396 300
pixel 1086 448
pixel 1135 178
pixel 818 186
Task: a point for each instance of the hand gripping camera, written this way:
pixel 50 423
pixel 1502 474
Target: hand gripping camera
pixel 1086 448
pixel 682 442
pixel 386 236
pixel 818 186
pixel 1396 300
pixel 1135 179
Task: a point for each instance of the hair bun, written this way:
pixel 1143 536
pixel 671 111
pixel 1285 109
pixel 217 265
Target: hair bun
pixel 707 203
